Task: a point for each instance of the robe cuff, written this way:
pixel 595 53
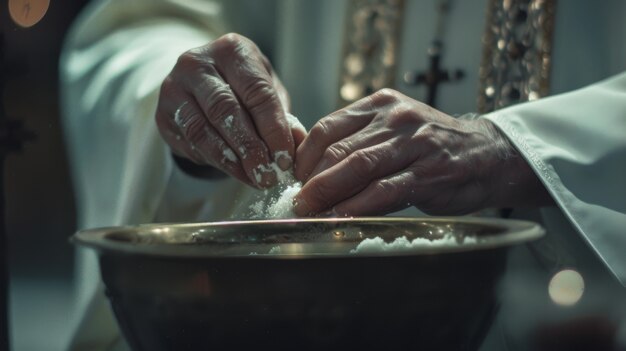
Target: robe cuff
pixel 606 244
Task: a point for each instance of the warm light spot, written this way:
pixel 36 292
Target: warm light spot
pixel 27 13
pixel 566 287
pixel 490 91
pixel 355 64
pixel 351 91
pixel 501 44
pixel 533 95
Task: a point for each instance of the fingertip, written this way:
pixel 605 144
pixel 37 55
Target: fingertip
pixel 284 162
pixel 300 207
pixel 298 135
pixel 300 165
pixel 283 159
pixel 264 176
pixel 298 173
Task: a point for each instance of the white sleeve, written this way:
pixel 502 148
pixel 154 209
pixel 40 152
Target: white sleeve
pixel 113 63
pixel 576 144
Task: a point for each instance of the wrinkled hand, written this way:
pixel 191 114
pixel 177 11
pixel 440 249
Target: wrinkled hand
pixel 387 152
pixel 223 106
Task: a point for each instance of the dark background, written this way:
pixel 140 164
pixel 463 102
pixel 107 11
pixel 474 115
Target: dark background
pixel 39 205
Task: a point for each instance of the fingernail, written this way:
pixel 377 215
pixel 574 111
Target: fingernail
pixel 300 207
pixel 284 162
pixel 264 176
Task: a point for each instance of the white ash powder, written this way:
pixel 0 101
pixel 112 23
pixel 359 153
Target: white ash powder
pixel 274 250
pixel 278 201
pixel 294 122
pixel 282 206
pixel 229 155
pixel 177 117
pixel 228 121
pixel 377 244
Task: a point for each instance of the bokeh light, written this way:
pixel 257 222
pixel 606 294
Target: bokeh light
pixel 566 287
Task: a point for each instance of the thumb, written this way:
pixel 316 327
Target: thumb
pixel 297 129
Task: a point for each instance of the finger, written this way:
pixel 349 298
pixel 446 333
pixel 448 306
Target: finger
pixel 198 141
pixel 371 135
pixel 165 116
pixel 349 177
pixel 380 197
pixel 298 131
pixel 224 113
pixel 298 135
pixel 242 65
pixel 282 91
pixel 213 147
pixel 457 199
pixel 171 135
pixel 326 132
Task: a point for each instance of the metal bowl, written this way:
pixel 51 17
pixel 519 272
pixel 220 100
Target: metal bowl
pixel 294 284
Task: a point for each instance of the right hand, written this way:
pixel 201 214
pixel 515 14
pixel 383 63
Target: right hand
pixel 222 105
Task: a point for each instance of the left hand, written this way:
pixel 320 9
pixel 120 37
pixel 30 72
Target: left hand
pixel 387 152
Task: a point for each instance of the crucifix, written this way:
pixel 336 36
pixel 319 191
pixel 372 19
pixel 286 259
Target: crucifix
pixel 435 75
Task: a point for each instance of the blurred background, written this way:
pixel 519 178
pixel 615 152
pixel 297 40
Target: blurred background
pixel 38 200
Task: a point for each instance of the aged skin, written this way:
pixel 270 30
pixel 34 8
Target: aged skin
pixel 223 106
pixel 387 152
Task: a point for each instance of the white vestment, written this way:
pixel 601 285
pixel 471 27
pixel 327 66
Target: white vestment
pixel 118 52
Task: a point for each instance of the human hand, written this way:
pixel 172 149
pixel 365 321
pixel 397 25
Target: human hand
pixel 222 105
pixel 387 152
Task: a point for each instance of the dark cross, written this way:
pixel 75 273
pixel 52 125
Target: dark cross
pixel 435 75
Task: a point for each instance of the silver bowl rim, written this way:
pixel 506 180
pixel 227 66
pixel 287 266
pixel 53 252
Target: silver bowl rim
pixel 514 232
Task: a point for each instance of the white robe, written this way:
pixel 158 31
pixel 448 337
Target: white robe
pixel 118 52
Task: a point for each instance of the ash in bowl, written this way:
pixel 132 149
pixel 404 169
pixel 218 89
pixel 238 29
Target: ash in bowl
pixel 377 244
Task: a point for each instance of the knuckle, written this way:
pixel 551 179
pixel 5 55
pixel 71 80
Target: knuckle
pixel 193 129
pixel 190 58
pixel 335 152
pixel 385 96
pixel 387 92
pixel 388 191
pixel 220 103
pixel 362 164
pixel 320 130
pixel 228 40
pixel 228 44
pixel 167 85
pixel 260 96
pixel 427 136
pixel 401 117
